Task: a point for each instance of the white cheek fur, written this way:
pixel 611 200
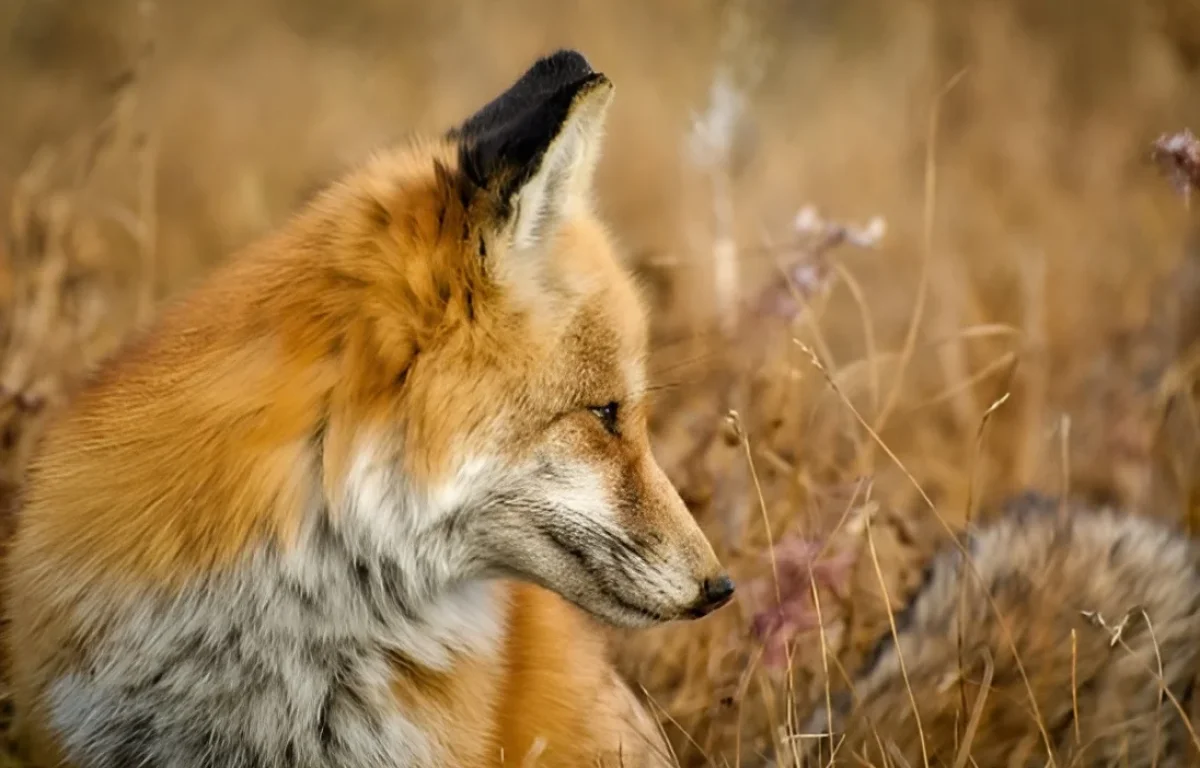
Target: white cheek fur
pixel 580 493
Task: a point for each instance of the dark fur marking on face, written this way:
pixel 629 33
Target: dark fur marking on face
pixel 645 542
pixel 567 544
pixel 625 553
pixel 629 607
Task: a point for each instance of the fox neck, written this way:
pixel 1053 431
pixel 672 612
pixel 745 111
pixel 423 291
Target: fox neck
pixel 399 567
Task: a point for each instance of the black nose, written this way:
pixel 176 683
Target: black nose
pixel 713 594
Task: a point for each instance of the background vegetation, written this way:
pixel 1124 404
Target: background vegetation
pixel 1010 305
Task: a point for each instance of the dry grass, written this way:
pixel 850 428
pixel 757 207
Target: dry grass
pixel 829 396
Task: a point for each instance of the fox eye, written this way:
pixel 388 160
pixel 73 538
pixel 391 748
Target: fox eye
pixel 608 416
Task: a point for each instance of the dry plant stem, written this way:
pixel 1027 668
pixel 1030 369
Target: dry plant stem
pixel 969 513
pixel 899 758
pixel 762 505
pixel 914 324
pixel 809 318
pixel 949 530
pixel 812 584
pixel 661 730
pixel 1064 462
pixel 740 692
pixel 654 704
pixel 834 747
pixel 981 331
pixel 768 701
pixel 947 313
pixel 967 518
pixel 807 315
pixel 744 439
pixel 1005 361
pixel 868 326
pixel 883 753
pixel 887 601
pixel 1161 687
pixel 1162 683
pixel 964 749
pixel 1075 684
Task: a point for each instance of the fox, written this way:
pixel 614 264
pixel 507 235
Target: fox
pixel 1102 608
pixel 370 494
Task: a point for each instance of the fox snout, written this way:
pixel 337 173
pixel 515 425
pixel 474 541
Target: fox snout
pixel 681 578
pixel 700 592
pixel 714 593
pixel 622 546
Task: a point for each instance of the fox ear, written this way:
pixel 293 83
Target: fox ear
pixel 534 148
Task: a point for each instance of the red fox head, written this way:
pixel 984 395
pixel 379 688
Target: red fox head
pixel 521 392
pixel 442 347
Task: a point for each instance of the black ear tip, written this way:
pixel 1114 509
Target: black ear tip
pixel 561 69
pixel 514 129
pixel 564 64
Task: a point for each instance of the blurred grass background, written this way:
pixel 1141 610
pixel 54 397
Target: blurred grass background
pixel 1030 248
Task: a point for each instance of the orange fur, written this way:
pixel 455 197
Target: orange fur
pixel 393 314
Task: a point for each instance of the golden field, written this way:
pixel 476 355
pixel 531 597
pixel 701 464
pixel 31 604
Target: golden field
pixel 1011 305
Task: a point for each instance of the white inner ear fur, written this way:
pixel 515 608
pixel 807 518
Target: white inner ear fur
pixel 562 186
